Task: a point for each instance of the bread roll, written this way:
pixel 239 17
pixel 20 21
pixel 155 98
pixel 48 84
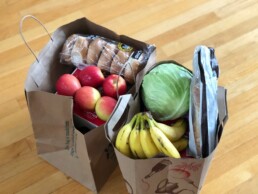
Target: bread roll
pixel 106 57
pixel 118 61
pixel 132 68
pixel 79 51
pixel 65 55
pixel 94 51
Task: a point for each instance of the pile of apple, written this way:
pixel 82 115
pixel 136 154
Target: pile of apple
pixel 92 91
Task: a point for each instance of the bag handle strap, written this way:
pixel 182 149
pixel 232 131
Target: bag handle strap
pixel 21 33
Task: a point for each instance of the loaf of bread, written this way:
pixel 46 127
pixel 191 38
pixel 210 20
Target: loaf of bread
pixel 119 61
pixel 79 51
pixel 134 64
pixel 94 51
pixel 107 55
pixel 111 56
pixel 65 55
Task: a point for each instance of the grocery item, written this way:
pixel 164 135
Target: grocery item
pixel 134 66
pixel 67 85
pixel 91 76
pixel 203 113
pixel 104 107
pixel 165 91
pixel 110 56
pixel 181 144
pixel 94 51
pixel 67 49
pixel 122 139
pixel 86 98
pixel 141 139
pixel 114 86
pixel 174 132
pixel 162 142
pixel 79 51
pixel 135 141
pixel 149 148
pixel 107 55
pixel 118 61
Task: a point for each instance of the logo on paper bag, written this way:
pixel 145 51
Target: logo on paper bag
pixel 70 139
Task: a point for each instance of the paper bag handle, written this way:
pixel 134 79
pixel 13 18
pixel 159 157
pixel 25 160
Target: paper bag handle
pixel 20 30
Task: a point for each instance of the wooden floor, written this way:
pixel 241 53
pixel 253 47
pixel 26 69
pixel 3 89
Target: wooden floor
pixel 175 27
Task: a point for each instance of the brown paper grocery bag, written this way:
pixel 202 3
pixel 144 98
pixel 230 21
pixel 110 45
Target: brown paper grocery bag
pixel 159 175
pixel 87 157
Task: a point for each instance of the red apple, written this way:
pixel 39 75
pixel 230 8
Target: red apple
pixel 67 85
pixel 105 107
pixel 86 98
pixel 112 84
pixel 91 76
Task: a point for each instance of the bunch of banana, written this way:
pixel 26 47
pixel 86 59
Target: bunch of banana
pixel 135 141
pixel 143 137
pixel 122 139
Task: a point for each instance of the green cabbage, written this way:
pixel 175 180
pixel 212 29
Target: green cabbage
pixel 165 91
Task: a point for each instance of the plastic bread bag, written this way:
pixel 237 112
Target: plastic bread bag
pixel 203 111
pixel 111 56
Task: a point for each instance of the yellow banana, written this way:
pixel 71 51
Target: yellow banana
pixel 148 146
pixel 174 132
pixel 134 140
pixel 122 139
pixel 162 142
pixel 181 144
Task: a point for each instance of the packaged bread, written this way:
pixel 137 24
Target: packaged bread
pixel 111 56
pixel 108 53
pixel 79 51
pixel 65 55
pixel 94 51
pixel 120 58
pixel 134 65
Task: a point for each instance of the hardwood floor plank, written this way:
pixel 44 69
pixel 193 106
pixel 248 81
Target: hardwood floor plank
pixel 20 164
pixel 72 187
pixel 142 18
pixel 183 30
pixel 249 185
pixel 197 37
pixel 15 127
pixel 14 151
pixel 229 158
pixel 238 106
pixel 36 173
pixel 232 178
pixel 178 20
pixel 37 32
pixel 49 183
pixel 8 108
